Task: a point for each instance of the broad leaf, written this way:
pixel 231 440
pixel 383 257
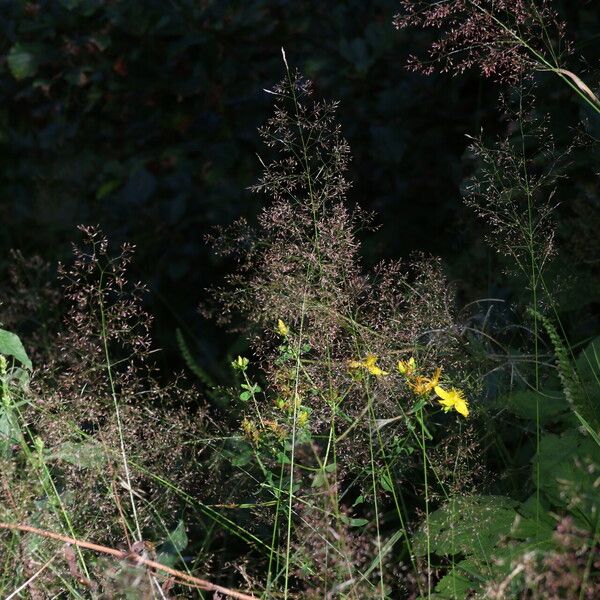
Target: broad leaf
pixel 553 405
pixel 564 473
pixel 470 525
pixel 23 60
pixel 172 547
pixel 10 345
pixel 87 454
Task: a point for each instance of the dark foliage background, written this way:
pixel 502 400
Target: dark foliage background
pixel 141 116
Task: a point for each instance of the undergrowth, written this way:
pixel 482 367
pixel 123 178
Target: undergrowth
pixel 376 440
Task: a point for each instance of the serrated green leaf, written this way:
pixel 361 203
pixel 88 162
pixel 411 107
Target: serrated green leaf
pixel 455 585
pixel 470 525
pixel 86 454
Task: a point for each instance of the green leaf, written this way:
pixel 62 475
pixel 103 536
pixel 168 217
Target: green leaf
pixel 455 584
pixel 172 547
pixel 588 428
pixel 318 480
pixel 23 60
pixel 10 345
pixel 524 404
pixel 386 482
pixel 283 459
pixel 238 452
pixel 243 458
pixel 107 188
pixel 10 433
pixel 588 363
pixel 529 509
pixel 588 369
pixel 469 525
pixel 87 454
pixel 178 537
pixel 353 522
pixel 564 472
pixel 359 500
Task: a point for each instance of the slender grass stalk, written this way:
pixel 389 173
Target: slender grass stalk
pixel 375 500
pixel 426 488
pixel 298 365
pixel 533 281
pixel 113 392
pixel 273 554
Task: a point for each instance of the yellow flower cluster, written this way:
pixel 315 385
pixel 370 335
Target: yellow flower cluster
pixel 421 385
pixel 254 432
pixel 250 431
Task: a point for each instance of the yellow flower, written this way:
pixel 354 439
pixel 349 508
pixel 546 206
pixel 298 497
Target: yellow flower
pixel 372 367
pixel 240 363
pixel 407 367
pixel 368 364
pixel 302 419
pixel 274 427
pixel 453 399
pixel 423 385
pixel 282 328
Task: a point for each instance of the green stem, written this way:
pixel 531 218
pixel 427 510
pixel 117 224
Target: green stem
pixel 426 483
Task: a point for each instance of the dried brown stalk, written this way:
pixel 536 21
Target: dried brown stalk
pixel 184 578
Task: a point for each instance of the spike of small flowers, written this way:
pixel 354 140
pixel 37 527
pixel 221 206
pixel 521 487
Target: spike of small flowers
pixel 453 399
pixel 282 328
